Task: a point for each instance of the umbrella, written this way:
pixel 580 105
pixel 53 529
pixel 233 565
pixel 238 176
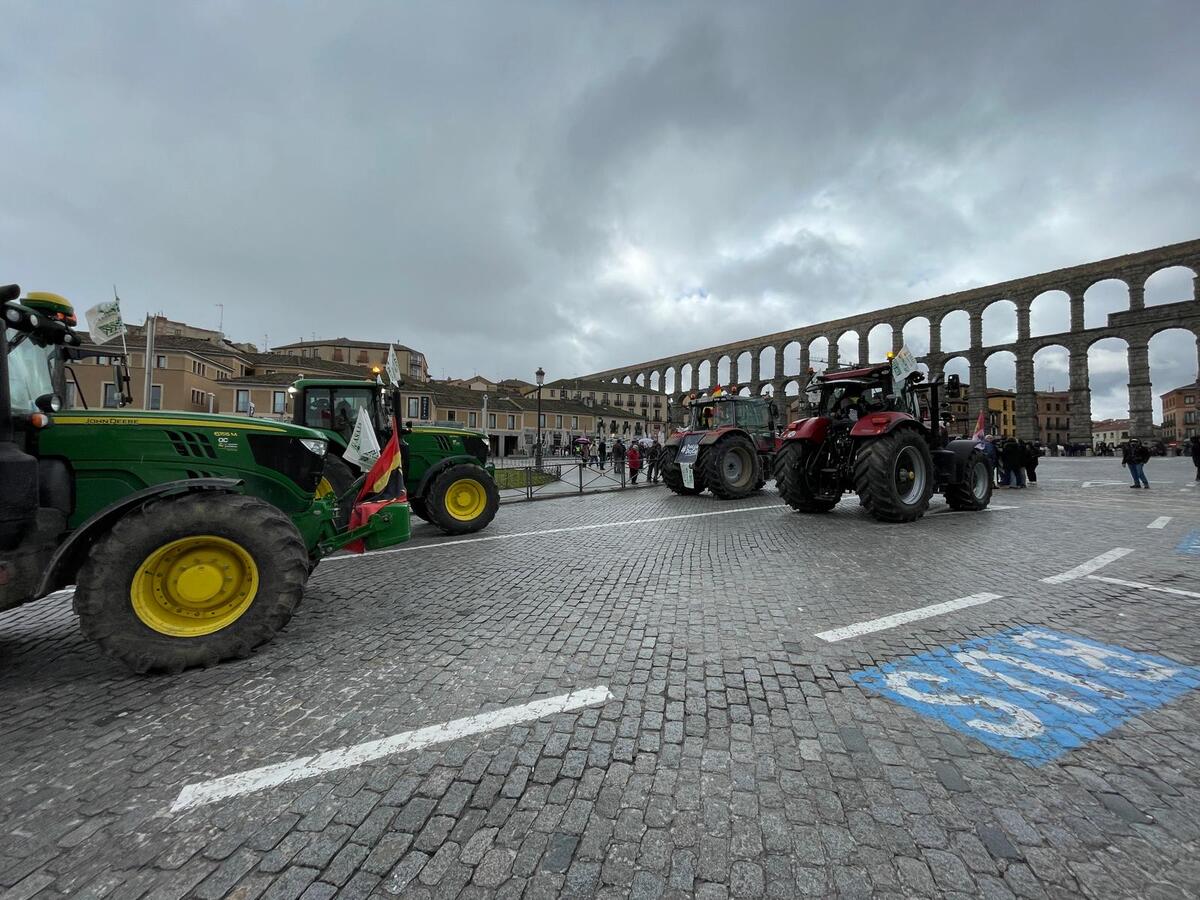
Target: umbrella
pixel 583 440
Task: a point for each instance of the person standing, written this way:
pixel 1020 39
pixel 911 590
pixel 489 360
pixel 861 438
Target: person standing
pixel 635 462
pixel 653 454
pixel 1032 452
pixel 1196 455
pixel 1135 456
pixel 1012 454
pixel 618 455
pixel 603 454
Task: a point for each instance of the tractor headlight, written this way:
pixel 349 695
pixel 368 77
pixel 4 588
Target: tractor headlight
pixel 317 447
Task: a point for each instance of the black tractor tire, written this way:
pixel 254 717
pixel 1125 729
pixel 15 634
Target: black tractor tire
pixel 419 508
pixel 730 467
pixel 337 478
pixel 893 476
pixel 105 585
pixel 459 508
pixel 673 478
pixel 975 493
pixel 790 464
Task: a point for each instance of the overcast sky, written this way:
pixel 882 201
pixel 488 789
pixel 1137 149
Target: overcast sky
pixel 578 186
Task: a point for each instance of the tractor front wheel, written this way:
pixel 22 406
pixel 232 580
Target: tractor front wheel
pixel 975 491
pixel 730 467
pixel 792 477
pixel 893 475
pixel 417 505
pixel 191 581
pixel 463 499
pixel 337 479
pixel 673 477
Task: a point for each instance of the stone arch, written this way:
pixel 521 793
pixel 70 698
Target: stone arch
pixel 704 375
pixel 791 358
pixel 767 390
pixel 879 342
pixel 956 330
pixel 847 344
pixel 1171 284
pixel 656 380
pixel 792 388
pixel 1050 313
pixel 916 333
pixel 1051 368
pixel 818 354
pixel 1172 358
pixel 766 363
pixel 743 392
pixel 723 374
pixel 687 377
pixel 640 379
pixel 668 380
pixel 999 323
pixel 745 368
pixel 1108 377
pixel 1001 366
pixel 1109 295
pixel 627 380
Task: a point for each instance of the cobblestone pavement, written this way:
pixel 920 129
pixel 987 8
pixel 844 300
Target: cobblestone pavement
pixel 739 754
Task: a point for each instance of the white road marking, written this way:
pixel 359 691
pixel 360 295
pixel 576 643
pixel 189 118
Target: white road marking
pixel 253 780
pixel 912 615
pixel 521 534
pixel 1088 567
pixel 1145 587
pixel 943 510
pixel 1160 522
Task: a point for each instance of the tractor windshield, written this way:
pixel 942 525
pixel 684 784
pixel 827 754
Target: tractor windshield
pixel 31 371
pixel 337 409
pixel 713 414
pixel 853 398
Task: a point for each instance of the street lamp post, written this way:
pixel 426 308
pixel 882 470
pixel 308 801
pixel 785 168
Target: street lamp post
pixel 541 379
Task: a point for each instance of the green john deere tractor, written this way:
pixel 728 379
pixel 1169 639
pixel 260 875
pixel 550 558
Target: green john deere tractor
pixel 450 481
pixel 189 537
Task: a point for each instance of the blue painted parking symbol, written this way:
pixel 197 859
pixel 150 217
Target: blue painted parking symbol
pixel 1190 543
pixel 1032 693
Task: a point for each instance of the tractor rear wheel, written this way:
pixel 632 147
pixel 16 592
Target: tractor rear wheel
pixel 337 479
pixel 462 499
pixel 672 475
pixel 792 464
pixel 893 475
pixel 730 467
pixel 975 491
pixel 191 581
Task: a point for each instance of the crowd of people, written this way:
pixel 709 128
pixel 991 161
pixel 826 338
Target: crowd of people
pixel 634 457
pixel 1014 461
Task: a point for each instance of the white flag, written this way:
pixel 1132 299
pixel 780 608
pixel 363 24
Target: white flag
pixel 393 366
pixel 903 365
pixel 105 322
pixel 363 448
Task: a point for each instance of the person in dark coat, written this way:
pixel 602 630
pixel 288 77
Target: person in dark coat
pixel 1013 457
pixel 618 455
pixel 1196 455
pixel 653 454
pixel 1032 452
pixel 603 454
pixel 1135 455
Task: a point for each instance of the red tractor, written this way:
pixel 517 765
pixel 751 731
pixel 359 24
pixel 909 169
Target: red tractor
pixel 726 445
pixel 883 441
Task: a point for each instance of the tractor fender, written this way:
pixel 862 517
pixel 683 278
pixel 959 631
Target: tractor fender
pixel 674 438
pixel 711 437
pixel 71 553
pixel 813 429
pixel 437 469
pixel 880 423
pixel 956 454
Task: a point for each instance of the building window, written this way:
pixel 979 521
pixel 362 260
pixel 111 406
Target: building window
pixel 491 420
pixel 363 356
pixel 104 360
pixel 241 402
pixel 450 415
pixel 110 395
pixel 278 402
pixel 512 423
pixel 197 397
pixel 558 421
pixel 471 420
pixel 574 423
pixel 542 420
pixel 156 396
pixel 1189 400
pixel 160 362
pixel 551 393
pixel 338 355
pixel 414 407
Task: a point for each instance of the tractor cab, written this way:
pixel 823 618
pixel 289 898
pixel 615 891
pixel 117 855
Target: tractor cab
pixel 706 413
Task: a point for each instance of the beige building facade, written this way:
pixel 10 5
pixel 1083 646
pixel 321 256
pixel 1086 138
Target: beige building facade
pixel 371 355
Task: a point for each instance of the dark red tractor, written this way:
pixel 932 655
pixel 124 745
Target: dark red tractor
pixel 885 442
pixel 726 445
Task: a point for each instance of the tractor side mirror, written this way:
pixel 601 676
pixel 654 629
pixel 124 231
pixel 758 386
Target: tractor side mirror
pixel 953 388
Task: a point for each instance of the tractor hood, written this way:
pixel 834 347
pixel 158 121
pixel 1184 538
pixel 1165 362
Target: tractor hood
pixel 168 418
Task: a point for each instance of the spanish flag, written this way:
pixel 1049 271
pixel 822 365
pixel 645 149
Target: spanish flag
pixel 383 485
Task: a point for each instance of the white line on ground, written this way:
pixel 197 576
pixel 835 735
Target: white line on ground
pixel 253 780
pixel 520 534
pixel 945 510
pixel 1160 522
pixel 912 615
pixel 1145 587
pixel 1088 567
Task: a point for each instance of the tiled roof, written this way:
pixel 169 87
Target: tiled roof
pixel 344 342
pixel 304 363
pixel 274 378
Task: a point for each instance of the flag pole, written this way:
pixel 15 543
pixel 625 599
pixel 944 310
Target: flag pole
pixel 117 300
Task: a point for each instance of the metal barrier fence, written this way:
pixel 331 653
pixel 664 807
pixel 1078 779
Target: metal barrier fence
pixel 566 478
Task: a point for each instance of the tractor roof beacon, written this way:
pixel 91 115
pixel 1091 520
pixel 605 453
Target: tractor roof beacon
pixel 189 537
pixel 726 445
pixel 447 469
pixel 882 440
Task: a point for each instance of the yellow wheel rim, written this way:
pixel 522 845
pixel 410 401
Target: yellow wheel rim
pixel 194 586
pixel 466 500
pixel 324 488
